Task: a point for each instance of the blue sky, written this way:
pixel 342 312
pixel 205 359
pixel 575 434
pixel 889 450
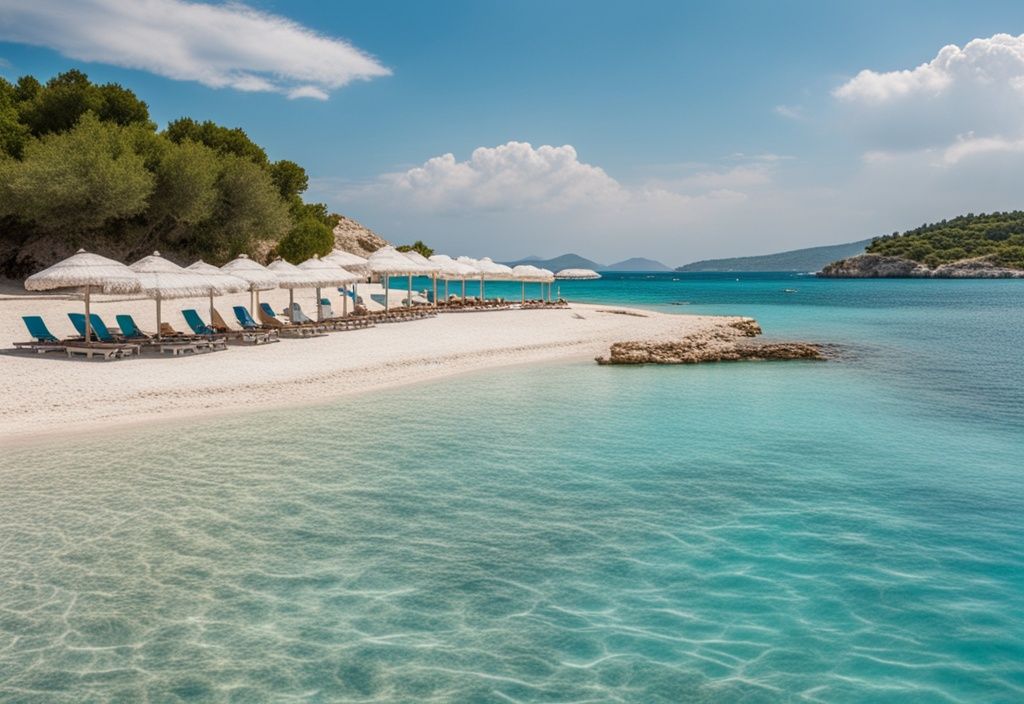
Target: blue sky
pixel 693 129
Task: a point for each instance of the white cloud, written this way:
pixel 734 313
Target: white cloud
pixel 221 46
pixel 976 89
pixel 791 112
pixel 512 175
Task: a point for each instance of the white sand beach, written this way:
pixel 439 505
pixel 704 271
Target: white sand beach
pixel 46 394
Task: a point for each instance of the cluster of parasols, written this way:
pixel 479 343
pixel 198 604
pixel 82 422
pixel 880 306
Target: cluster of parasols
pixel 160 279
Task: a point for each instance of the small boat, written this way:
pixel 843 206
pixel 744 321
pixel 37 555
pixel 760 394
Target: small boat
pixel 789 290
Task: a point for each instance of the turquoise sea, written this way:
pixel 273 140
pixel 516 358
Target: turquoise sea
pixel 847 531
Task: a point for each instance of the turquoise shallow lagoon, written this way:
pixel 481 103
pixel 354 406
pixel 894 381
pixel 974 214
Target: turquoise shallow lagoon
pixel 849 531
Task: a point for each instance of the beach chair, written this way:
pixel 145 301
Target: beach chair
pixel 348 322
pixel 129 330
pixel 267 317
pixel 254 337
pixel 106 346
pixel 43 340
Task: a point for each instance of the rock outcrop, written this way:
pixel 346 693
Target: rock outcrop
pixel 726 343
pixel 877 266
pixel 353 237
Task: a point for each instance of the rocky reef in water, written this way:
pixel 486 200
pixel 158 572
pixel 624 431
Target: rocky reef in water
pixel 727 343
pixel 879 266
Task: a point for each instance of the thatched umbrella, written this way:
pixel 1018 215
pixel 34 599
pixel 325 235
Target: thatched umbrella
pixel 429 267
pixel 162 279
pixel 291 277
pixel 527 273
pixel 259 277
pixel 329 275
pixel 452 270
pixel 219 282
pixel 353 263
pixel 549 277
pixel 87 272
pixel 387 262
pixel 473 264
pixel 577 274
pixel 489 269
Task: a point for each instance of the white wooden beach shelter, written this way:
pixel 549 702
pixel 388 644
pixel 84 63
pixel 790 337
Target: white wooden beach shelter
pixel 86 271
pixel 220 282
pixel 162 279
pixel 259 277
pixel 328 274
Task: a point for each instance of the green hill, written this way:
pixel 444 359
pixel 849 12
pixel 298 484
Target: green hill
pixel 810 259
pixel 998 237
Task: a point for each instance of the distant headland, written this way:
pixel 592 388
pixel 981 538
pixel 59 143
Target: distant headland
pixel 971 246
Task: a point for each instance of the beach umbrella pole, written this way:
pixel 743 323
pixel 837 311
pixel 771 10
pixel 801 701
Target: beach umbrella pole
pixel 387 294
pixel 463 291
pixel 159 328
pixel 522 294
pixel 344 300
pixel 211 309
pixel 408 296
pixel 434 277
pixel 319 307
pixel 88 318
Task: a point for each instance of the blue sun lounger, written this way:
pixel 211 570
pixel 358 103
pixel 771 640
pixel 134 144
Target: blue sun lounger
pixel 107 347
pixel 196 323
pixel 129 329
pixel 42 339
pixel 245 320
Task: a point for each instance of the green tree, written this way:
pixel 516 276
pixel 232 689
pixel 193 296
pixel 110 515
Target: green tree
pixel 77 180
pixel 186 184
pixel 309 237
pixel 249 209
pixel 417 246
pixel 291 179
pixel 225 140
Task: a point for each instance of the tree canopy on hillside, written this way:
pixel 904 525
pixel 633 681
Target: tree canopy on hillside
pixel 82 164
pixel 999 236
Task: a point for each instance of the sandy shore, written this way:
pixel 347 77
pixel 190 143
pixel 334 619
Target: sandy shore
pixel 46 394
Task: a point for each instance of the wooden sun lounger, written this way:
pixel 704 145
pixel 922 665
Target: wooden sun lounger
pixel 105 350
pixel 253 337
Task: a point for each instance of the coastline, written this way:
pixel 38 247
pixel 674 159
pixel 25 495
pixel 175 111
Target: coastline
pixel 48 396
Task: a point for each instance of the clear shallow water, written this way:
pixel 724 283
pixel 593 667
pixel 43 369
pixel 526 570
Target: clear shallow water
pixel 847 531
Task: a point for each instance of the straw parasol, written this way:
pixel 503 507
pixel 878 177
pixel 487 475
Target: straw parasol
pixel 452 270
pixel 86 271
pixel 329 274
pixel 162 279
pixel 387 262
pixel 491 270
pixel 220 282
pixel 292 277
pixel 528 273
pixel 349 262
pixel 259 277
pixel 550 278
pixel 475 265
pixel 577 274
pixel 429 267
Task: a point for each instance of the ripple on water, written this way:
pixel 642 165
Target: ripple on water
pixel 450 544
